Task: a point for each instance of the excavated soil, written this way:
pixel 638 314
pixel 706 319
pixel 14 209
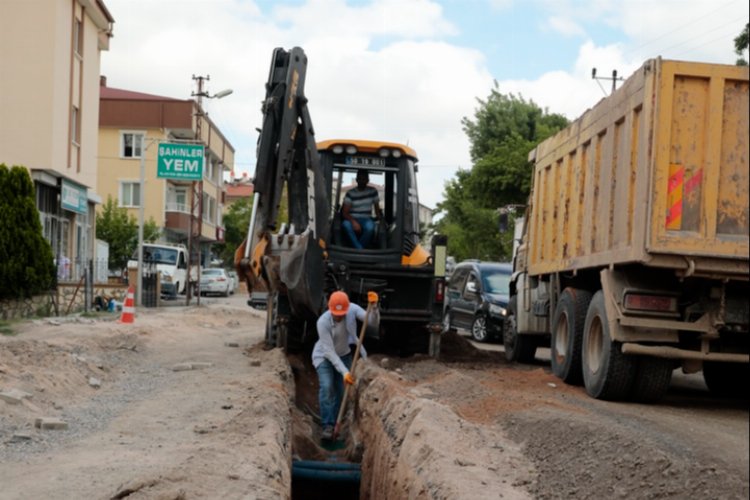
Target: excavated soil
pixel 468 425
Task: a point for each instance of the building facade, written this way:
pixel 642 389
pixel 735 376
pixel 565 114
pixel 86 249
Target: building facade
pixel 131 127
pixel 49 109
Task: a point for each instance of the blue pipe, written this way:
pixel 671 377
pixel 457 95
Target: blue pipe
pixel 315 464
pixel 326 471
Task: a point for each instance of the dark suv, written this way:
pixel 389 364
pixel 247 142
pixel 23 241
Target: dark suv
pixel 477 299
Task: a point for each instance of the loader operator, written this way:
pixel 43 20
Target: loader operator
pixel 337 330
pixel 357 222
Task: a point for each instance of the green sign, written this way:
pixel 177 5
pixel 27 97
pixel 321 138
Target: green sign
pixel 74 197
pixel 180 161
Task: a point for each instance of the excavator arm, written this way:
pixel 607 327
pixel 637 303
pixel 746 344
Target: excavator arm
pixel 287 259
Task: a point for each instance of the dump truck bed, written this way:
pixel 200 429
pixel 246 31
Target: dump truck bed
pixel 656 174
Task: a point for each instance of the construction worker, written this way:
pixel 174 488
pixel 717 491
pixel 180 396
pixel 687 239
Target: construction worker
pixel 337 330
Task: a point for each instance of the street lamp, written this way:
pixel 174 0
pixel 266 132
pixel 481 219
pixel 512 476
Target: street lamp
pixel 199 95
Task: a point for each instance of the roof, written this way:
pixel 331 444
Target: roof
pixel 239 191
pixel 127 95
pixel 504 266
pixel 367 146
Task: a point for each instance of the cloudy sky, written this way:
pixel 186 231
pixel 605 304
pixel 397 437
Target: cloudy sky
pixel 405 70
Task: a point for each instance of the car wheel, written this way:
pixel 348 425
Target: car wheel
pixel 447 321
pixel 518 348
pixel 567 335
pixel 479 329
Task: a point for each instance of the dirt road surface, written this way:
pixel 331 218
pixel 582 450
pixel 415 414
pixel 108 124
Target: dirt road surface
pixel 186 403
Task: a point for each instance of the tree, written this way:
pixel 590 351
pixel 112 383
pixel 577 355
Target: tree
pixel 116 227
pixel 742 43
pixel 502 132
pixel 236 222
pixel 26 261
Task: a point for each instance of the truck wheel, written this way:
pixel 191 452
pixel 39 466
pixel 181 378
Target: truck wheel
pixel 518 348
pixel 726 379
pixel 479 328
pixel 652 379
pixel 567 335
pixel 607 372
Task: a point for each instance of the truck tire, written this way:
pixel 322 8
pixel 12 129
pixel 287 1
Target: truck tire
pixel 518 348
pixel 607 372
pixel 726 379
pixel 652 379
pixel 567 335
pixel 479 328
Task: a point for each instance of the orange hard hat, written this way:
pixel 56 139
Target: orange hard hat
pixel 338 303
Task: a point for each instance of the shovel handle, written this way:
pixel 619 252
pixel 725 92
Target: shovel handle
pixel 351 370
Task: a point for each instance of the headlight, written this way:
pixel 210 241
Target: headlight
pixel 166 278
pixel 499 310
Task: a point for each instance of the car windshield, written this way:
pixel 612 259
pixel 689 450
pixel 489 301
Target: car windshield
pixel 496 282
pixel 212 272
pixel 158 255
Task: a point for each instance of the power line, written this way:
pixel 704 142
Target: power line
pixel 700 36
pixel 690 23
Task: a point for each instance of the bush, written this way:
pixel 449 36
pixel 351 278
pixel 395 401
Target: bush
pixel 26 261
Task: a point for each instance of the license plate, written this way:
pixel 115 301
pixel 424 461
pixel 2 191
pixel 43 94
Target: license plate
pixel 365 161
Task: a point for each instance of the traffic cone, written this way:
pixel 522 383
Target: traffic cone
pixel 128 308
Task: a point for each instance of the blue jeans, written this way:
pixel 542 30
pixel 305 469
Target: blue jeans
pixel 368 229
pixel 331 390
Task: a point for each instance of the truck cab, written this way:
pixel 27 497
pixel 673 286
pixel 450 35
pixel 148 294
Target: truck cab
pixel 170 261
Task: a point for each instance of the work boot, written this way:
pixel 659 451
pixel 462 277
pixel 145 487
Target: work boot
pixel 327 433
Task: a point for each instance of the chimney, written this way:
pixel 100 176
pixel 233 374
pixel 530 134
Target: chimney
pixel 102 81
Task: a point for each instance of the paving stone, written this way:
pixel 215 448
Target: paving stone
pixel 232 344
pixel 182 367
pixel 14 396
pixel 254 362
pixel 199 365
pixel 50 423
pixel 95 382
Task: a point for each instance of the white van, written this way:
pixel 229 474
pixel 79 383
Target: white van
pixel 171 261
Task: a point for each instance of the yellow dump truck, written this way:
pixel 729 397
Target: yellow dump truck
pixel 633 254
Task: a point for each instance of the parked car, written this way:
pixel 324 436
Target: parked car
pixel 235 281
pixel 215 280
pixel 477 299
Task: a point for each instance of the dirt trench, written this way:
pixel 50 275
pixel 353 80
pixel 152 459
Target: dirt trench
pixel 407 445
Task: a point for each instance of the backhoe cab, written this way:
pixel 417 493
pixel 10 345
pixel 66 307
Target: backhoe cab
pixel 296 264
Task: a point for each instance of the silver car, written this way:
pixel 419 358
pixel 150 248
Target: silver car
pixel 215 280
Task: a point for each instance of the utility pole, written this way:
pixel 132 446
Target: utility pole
pixel 614 79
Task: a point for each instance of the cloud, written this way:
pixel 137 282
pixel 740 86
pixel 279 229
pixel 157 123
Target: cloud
pixel 564 26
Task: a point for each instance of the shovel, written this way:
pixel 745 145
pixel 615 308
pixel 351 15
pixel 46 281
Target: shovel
pixel 354 363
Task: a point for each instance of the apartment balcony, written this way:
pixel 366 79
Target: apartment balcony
pixel 177 219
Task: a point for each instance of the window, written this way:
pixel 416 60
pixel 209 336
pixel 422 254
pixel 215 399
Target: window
pixel 75 126
pixel 131 144
pixel 210 169
pixel 78 37
pixel 177 199
pixel 130 194
pixel 209 209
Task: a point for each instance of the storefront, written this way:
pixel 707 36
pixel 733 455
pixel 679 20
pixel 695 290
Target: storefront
pixel 67 214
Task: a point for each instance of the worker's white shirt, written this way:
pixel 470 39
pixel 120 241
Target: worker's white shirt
pixel 335 337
